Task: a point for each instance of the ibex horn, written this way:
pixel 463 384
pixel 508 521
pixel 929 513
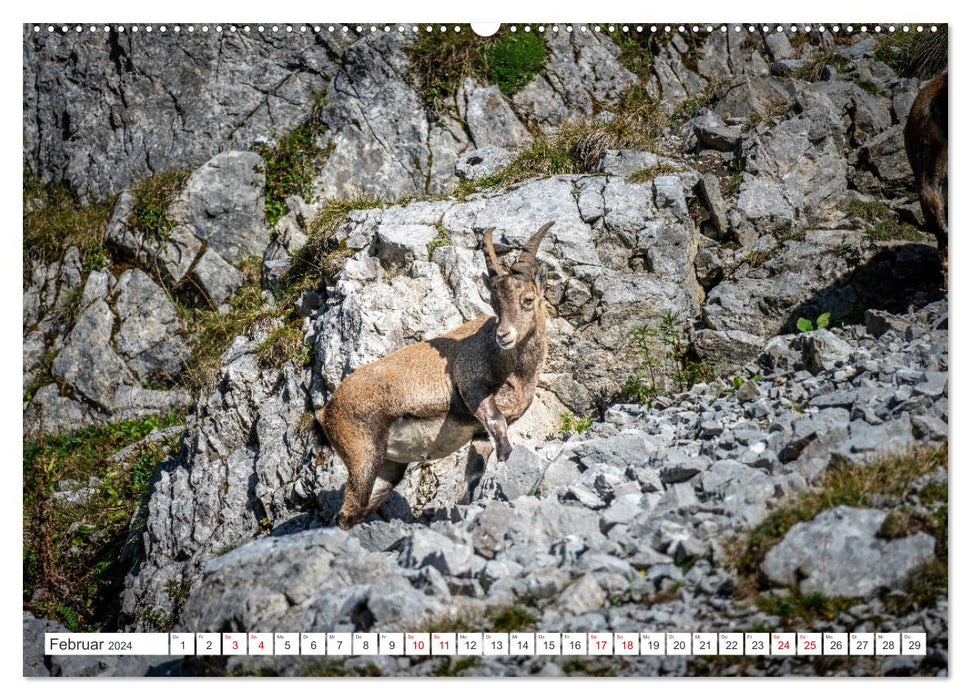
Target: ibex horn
pixel 528 256
pixel 492 260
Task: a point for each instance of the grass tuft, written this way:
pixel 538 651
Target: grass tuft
pixel 153 196
pixel 882 223
pixel 292 162
pixel 55 220
pixel 514 618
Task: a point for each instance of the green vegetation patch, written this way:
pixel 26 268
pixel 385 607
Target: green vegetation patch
pixel 662 358
pixel 574 424
pixel 55 219
pixel 518 617
pixel 440 241
pixel 440 61
pixel 514 58
pixel 284 344
pixel 72 566
pixel 292 163
pixel 798 609
pixel 153 196
pixel 882 223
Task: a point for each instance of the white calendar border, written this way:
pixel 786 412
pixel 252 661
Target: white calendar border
pixel 542 10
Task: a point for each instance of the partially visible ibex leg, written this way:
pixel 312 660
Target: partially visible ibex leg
pixel 491 417
pixel 479 452
pixel 931 192
pixel 389 475
pixel 364 460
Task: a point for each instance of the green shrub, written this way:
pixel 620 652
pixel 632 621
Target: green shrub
pixel 440 61
pixel 573 424
pixel 513 59
pixel 662 360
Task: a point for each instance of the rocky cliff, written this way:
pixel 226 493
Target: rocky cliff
pixel 746 324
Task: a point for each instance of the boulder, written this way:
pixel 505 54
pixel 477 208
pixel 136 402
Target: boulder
pixel 840 553
pixel 222 204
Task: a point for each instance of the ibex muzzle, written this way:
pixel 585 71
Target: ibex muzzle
pixel 428 399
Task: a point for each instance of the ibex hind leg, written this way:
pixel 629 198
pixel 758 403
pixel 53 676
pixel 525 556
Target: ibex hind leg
pixel 389 475
pixel 932 201
pixel 364 460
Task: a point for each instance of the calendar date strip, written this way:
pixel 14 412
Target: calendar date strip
pixel 488 644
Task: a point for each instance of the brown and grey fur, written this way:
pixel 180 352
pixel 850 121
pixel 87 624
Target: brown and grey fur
pixel 925 138
pixel 428 399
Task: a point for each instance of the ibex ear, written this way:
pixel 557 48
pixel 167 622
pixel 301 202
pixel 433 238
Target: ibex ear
pixel 487 280
pixel 541 277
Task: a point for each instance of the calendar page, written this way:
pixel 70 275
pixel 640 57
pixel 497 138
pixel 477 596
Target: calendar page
pixel 442 349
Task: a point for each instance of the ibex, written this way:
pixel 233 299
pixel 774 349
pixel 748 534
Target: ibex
pixel 925 138
pixel 426 400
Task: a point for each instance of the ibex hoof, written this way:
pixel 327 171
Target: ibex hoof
pixel 344 522
pixel 503 451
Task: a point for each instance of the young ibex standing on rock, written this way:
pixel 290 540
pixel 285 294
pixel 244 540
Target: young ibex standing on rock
pixel 925 138
pixel 428 399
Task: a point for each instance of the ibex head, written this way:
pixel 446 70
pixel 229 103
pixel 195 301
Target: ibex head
pixel 517 295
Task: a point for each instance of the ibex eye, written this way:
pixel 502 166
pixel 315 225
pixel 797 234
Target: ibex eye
pixel 528 301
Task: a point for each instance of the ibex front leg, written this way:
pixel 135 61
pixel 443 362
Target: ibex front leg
pixel 479 452
pixel 491 417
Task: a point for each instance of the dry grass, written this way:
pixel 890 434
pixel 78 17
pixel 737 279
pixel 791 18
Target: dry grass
pixel 577 147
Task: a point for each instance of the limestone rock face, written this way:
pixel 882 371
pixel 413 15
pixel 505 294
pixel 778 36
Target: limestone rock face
pixel 104 341
pixel 105 110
